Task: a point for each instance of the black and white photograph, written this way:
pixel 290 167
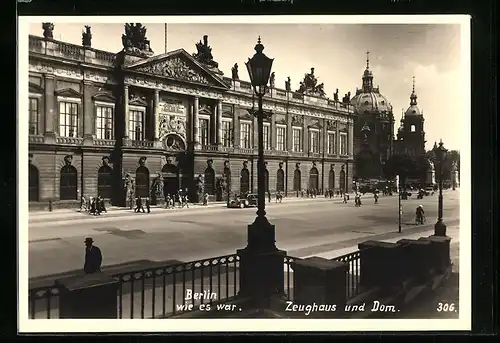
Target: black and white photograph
pixel 220 168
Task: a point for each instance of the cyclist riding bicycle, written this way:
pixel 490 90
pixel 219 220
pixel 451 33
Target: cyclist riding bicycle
pixel 420 215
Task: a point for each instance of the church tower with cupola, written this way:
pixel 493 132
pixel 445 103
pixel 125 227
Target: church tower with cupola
pixel 411 134
pixel 373 128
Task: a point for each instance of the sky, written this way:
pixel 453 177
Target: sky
pixel 430 52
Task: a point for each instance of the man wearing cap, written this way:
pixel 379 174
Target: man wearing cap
pixel 93 257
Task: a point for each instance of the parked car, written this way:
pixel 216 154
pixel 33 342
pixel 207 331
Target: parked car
pixel 238 203
pixel 252 199
pixel 429 190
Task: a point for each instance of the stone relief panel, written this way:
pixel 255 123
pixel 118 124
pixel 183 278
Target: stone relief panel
pixel 70 72
pixel 175 68
pixel 172 124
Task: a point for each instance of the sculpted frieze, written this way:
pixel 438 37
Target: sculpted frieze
pixel 98 77
pixel 175 68
pixel 170 124
pixel 68 72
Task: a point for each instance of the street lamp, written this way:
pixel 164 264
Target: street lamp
pixel 261 263
pixel 229 141
pixel 259 70
pixel 440 153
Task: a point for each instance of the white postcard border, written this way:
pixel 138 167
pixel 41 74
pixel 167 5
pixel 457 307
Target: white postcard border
pixel 26 325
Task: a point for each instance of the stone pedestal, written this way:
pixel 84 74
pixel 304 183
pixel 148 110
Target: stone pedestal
pixel 417 256
pixel 88 296
pixel 380 263
pixel 88 140
pixel 442 251
pixel 318 281
pixel 261 275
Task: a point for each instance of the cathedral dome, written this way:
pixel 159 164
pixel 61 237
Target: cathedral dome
pixel 370 102
pixel 368 98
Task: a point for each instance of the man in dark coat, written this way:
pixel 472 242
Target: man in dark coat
pixel 93 257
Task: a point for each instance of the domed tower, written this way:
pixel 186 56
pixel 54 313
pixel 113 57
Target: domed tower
pixel 373 128
pixel 411 137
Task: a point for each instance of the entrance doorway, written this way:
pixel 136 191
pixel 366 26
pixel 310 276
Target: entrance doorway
pixel 170 179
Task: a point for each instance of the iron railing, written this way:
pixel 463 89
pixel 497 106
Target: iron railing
pixel 163 291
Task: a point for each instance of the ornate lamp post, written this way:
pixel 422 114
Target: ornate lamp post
pixel 440 153
pixel 261 263
pixel 229 138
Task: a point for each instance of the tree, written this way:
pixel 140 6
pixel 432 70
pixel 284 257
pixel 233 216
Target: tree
pixel 400 164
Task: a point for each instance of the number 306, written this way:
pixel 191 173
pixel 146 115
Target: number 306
pixel 445 307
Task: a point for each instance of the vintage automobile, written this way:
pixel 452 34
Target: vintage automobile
pixel 238 203
pixel 252 199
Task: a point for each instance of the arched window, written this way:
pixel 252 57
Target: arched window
pixel 105 182
pixel 33 183
pixel 314 178
pixel 342 180
pixel 266 180
pixel 170 179
pixel 280 180
pixel 142 182
pixel 331 180
pixel 210 181
pixel 244 181
pixel 68 188
pixel 296 180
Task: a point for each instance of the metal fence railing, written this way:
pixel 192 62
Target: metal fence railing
pixel 166 291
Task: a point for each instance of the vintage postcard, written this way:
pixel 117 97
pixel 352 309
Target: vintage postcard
pixel 207 169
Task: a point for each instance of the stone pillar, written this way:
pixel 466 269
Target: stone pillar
pixel 305 137
pixel 322 139
pixel 156 118
pixel 273 132
pixel 417 255
pixel 126 115
pixel 323 282
pixel 289 134
pixel 219 123
pixel 350 140
pixel 196 122
pixel 379 263
pixel 236 126
pixel 88 114
pixel 88 296
pixel 255 138
pixel 337 143
pixel 50 109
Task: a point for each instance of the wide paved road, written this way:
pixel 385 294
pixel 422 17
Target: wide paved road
pixel 303 228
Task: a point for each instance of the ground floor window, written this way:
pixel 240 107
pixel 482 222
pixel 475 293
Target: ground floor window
pixel 68 188
pixel 105 182
pixel 34 191
pixel 280 180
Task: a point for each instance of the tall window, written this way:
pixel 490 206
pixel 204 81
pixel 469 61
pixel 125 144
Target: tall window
pixel 343 143
pixel 33 121
pixel 104 122
pixel 314 141
pixel 244 135
pixel 136 125
pixel 332 143
pixel 68 119
pixel 68 187
pixel 226 133
pixel 105 182
pixel 280 138
pixel 297 140
pixel 267 138
pixel 413 128
pixel 204 131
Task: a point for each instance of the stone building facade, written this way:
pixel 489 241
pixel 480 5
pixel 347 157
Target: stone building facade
pixel 113 124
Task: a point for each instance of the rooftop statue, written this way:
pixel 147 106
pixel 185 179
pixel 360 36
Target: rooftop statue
pixel 234 71
pixel 87 37
pixel 204 53
pixel 288 86
pixel 48 30
pixel 272 80
pixel 134 40
pixel 310 85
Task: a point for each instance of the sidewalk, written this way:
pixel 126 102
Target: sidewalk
pixel 113 211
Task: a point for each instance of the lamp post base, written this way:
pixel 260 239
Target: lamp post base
pixel 261 265
pixel 440 229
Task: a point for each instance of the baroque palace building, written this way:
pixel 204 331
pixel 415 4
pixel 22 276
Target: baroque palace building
pixel 105 124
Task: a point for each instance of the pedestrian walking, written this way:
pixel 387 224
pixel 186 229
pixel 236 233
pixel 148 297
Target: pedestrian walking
pixel 205 199
pixel 185 200
pixel 93 257
pixel 83 204
pixel 148 205
pixel 375 197
pixel 268 196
